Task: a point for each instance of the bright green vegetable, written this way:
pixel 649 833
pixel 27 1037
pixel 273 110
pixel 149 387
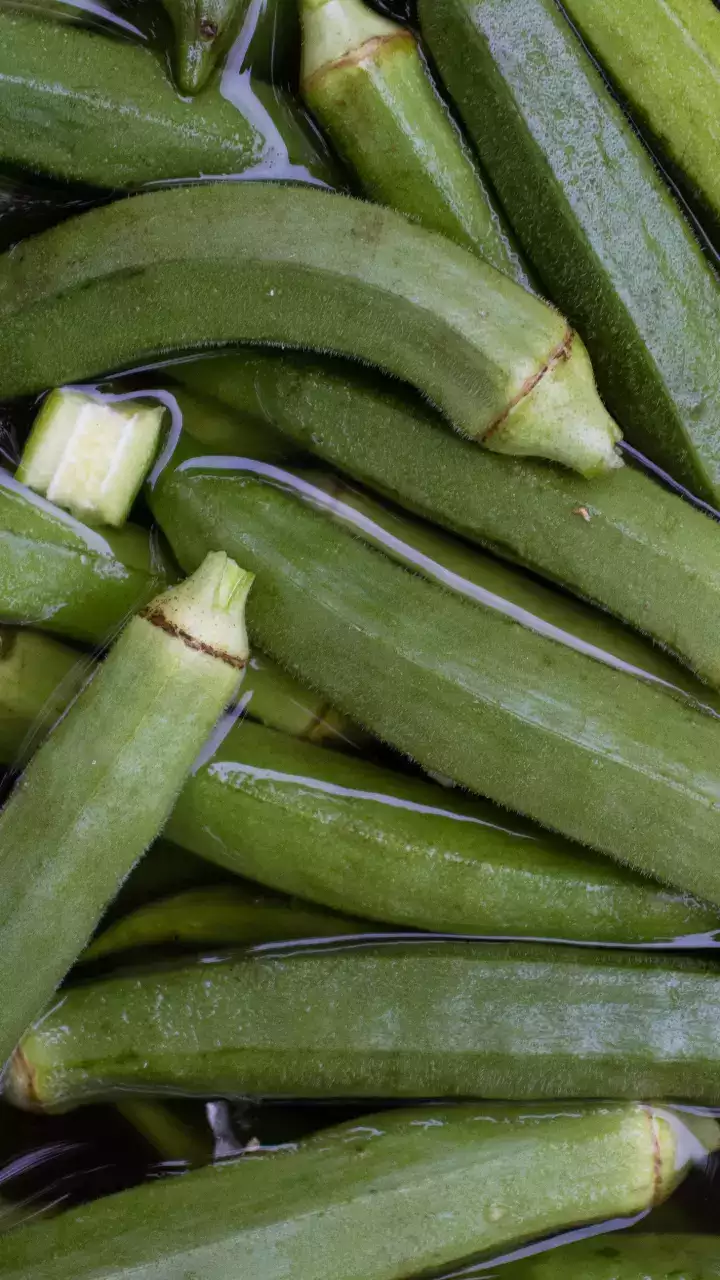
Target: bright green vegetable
pixel 374 1199
pixel 63 89
pixel 246 261
pixel 608 241
pixel 98 791
pixel 355 837
pixel 203 31
pixel 91 456
pixel 462 686
pixel 392 1020
pixel 364 79
pixel 164 870
pixel 670 82
pixel 621 541
pixel 275 699
pixel 38 677
pixel 220 916
pixel 58 574
pixel 620 1256
pixel 171 1136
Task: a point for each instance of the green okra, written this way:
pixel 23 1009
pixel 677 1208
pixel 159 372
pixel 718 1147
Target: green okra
pixel 466 688
pixel 99 789
pixel 164 870
pixel 408 1019
pixel 221 915
pixel 39 676
pixel 380 1197
pixel 203 31
pixel 607 239
pixel 671 83
pixel 171 1135
pixel 622 542
pixel 355 837
pixel 213 264
pixel 620 1256
pixel 364 79
pixel 63 88
pixel 62 576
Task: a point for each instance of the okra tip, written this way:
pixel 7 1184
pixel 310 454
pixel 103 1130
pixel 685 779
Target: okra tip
pixel 208 609
pixel 337 29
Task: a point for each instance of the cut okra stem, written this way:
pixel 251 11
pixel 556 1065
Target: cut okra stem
pixel 366 82
pixel 100 788
pixel 91 456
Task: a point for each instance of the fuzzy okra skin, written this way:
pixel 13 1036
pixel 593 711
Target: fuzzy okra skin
pixel 621 1256
pixel 364 79
pixel 63 88
pixel 594 752
pixel 622 541
pixel 345 833
pixel 209 265
pixel 39 676
pixel 609 242
pixel 407 1019
pixel 376 1198
pixel 62 576
pixel 203 31
pixel 99 789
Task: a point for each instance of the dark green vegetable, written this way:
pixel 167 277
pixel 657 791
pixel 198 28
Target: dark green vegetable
pixel 345 833
pixel 59 574
pixel 97 792
pixel 63 89
pixel 621 541
pixel 393 1020
pixel 620 1256
pixel 246 261
pixel 364 79
pixel 465 687
pixel 203 31
pixel 38 677
pixel 374 1199
pixel 594 217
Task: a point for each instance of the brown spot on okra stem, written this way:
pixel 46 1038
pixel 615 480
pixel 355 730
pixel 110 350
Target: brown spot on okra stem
pixel 368 49
pixel 208 30
pixel 559 353
pixel 157 619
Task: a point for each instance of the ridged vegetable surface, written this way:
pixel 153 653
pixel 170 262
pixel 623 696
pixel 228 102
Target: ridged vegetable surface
pixel 608 241
pixel 620 1256
pixel 465 689
pixel 394 1020
pixel 374 1199
pixel 223 263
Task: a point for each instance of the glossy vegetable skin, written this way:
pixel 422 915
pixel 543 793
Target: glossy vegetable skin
pixel 63 88
pixel 62 576
pixel 622 541
pixel 595 219
pixel 415 1019
pixel 371 1200
pixel 38 678
pixel 465 689
pixel 369 87
pixel 97 792
pixel 223 263
pixel 620 1256
pixel 343 832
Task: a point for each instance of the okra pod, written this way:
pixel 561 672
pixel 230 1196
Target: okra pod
pixel 223 915
pixel 354 837
pixel 366 82
pixel 164 272
pixel 203 31
pixel 39 676
pixel 62 576
pixel 622 1256
pixel 170 1135
pixel 465 687
pixel 411 1019
pixel 385 1196
pixel 622 542
pixel 100 788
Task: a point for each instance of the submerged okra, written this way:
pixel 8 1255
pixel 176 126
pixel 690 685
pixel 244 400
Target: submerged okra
pixel 409 1019
pixel 214 264
pixel 366 82
pixel 622 1256
pixel 99 789
pixel 380 1197
pixel 622 541
pixel 468 689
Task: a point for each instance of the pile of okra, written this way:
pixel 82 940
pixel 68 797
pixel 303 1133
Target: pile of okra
pixel 359 639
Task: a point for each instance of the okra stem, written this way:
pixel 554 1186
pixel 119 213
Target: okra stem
pixel 100 788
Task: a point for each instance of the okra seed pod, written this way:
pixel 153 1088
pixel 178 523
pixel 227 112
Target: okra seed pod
pixel 100 788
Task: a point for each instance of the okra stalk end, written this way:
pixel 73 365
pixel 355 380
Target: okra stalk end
pixel 207 610
pixel 558 415
pixel 337 29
